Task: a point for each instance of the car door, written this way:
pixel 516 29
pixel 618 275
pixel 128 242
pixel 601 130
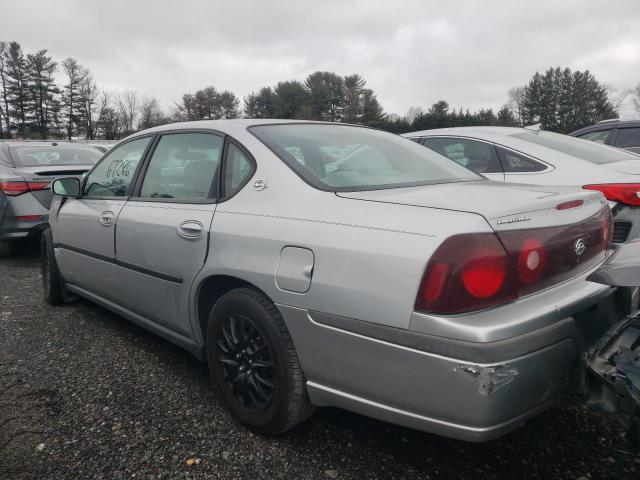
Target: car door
pixel 162 238
pixel 476 155
pixel 85 227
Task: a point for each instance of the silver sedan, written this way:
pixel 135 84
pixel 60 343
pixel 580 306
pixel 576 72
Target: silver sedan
pixel 545 158
pixel 315 264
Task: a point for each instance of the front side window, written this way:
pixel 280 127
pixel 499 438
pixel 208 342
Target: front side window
pixel 601 136
pixel 54 156
pixel 480 157
pixel 237 170
pixel 514 162
pixel 576 147
pixel 113 175
pixel 628 137
pixel 343 158
pixel 183 166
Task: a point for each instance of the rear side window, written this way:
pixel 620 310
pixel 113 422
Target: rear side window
pixel 478 156
pixel 238 169
pixel 183 166
pixel 514 162
pixel 113 175
pixel 628 137
pixel 601 136
pixel 346 158
pixel 576 147
pixel 54 156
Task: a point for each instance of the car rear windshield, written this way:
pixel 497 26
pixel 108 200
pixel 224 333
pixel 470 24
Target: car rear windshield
pixel 577 147
pixel 343 157
pixel 54 156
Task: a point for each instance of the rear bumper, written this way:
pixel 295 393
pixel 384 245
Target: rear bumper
pixel 626 224
pixel 473 391
pixel 16 230
pixel 13 228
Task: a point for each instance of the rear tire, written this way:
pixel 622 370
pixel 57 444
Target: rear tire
pixel 52 282
pixel 6 248
pixel 254 364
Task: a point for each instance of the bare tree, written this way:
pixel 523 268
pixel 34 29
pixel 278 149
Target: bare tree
pixel 412 113
pixel 151 114
pixel 127 103
pixel 4 108
pixel 635 98
pixel 516 103
pixel 617 96
pixel 88 98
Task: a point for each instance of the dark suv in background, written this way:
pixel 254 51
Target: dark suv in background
pixel 616 133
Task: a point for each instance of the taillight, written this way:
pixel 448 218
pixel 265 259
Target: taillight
pixel 627 193
pixel 13 189
pixel 467 272
pixel 476 271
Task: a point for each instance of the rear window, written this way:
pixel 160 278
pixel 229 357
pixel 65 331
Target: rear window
pixel 343 158
pixel 577 147
pixel 54 156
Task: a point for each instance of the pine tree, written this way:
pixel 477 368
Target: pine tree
pixel 40 83
pixel 75 76
pixel 17 92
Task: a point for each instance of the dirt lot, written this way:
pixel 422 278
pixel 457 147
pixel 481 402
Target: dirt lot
pixel 85 394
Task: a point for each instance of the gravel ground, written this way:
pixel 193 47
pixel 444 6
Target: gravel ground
pixel 85 394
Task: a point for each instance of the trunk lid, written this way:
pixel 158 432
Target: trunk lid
pixel 630 167
pixel 48 174
pixel 506 206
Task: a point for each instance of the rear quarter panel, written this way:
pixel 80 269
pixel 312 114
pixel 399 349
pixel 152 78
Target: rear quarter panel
pixel 369 256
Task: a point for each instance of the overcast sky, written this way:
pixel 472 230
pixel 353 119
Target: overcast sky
pixel 411 53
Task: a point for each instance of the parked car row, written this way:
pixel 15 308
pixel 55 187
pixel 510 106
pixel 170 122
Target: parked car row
pixel 314 264
pixel 537 157
pixel 26 172
pixel 616 133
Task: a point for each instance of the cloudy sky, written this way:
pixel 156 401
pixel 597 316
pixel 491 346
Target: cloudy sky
pixel 412 53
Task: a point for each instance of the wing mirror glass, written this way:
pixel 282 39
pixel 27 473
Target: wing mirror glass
pixel 66 187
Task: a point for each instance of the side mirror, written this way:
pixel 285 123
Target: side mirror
pixel 66 187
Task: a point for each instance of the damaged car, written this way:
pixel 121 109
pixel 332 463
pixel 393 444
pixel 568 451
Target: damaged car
pixel 313 264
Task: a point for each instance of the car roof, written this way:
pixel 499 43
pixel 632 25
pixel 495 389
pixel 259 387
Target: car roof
pixel 606 124
pixel 18 143
pixel 231 126
pixel 467 131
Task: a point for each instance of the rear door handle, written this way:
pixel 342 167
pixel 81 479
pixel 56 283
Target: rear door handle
pixel 107 218
pixel 190 229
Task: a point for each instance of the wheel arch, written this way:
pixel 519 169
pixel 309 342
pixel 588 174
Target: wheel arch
pixel 211 289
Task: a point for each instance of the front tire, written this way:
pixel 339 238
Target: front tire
pixel 254 364
pixel 52 282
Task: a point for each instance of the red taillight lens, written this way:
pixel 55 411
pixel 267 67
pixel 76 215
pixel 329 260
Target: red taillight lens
pixel 482 277
pixel 467 272
pixel 477 271
pixel 627 193
pixel 13 189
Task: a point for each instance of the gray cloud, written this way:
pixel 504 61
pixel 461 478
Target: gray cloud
pixel 410 52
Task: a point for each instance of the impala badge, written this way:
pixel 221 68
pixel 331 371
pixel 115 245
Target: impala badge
pixel 520 218
pixel 579 247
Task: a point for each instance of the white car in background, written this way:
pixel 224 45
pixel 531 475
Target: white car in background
pixel 535 157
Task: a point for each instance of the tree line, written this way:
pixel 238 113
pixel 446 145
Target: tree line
pixel 44 98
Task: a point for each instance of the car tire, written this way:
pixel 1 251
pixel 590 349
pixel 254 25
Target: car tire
pixel 246 334
pixel 6 248
pixel 52 282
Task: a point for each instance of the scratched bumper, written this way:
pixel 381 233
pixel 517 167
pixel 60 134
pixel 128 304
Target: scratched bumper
pixel 438 392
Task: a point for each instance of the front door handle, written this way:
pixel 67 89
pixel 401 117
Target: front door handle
pixel 190 229
pixel 107 218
